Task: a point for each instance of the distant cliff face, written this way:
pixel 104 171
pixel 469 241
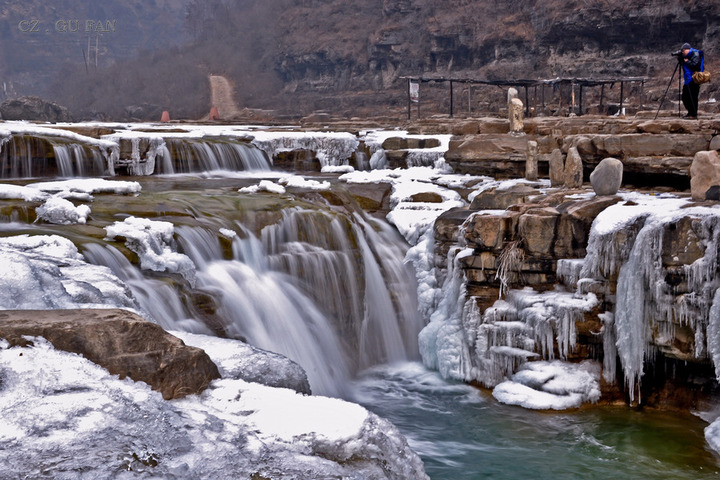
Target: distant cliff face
pixel 350 48
pixel 336 55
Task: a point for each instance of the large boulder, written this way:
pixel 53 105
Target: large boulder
pixel 34 108
pixel 607 177
pixel 704 173
pixel 121 342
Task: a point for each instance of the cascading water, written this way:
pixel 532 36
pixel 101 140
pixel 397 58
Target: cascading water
pixel 326 289
pixel 189 156
pixel 24 156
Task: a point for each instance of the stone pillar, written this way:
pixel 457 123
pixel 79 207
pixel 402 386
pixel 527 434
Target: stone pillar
pixel 573 174
pixel 557 168
pixel 515 111
pixel 531 162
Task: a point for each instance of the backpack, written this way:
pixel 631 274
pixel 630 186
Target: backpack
pixel 702 76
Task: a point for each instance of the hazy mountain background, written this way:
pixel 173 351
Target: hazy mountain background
pixel 132 58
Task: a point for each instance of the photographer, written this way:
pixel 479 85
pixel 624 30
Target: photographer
pixel 691 62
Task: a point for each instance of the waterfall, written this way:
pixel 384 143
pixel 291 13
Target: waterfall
pixel 190 155
pixel 328 290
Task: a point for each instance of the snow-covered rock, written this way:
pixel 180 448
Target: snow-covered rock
pixel 65 415
pixel 553 385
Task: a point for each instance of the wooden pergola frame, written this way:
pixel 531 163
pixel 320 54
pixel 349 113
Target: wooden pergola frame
pixel 579 83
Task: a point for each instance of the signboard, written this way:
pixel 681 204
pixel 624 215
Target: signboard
pixel 414 91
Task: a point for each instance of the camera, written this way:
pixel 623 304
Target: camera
pixel 678 54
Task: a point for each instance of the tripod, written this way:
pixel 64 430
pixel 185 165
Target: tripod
pixel 677 67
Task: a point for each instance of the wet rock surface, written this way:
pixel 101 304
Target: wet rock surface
pixel 120 341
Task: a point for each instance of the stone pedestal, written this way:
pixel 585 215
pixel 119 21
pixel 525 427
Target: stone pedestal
pixel 515 115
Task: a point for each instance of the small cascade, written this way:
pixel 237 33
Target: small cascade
pixel 193 155
pixel 73 161
pixel 330 253
pixel 38 156
pixel 423 157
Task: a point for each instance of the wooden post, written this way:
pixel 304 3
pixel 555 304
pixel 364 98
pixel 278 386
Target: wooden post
pixel 451 98
pixel 602 96
pixel 642 94
pixel 622 94
pixel 535 100
pixel 409 99
pixel 469 101
pixel 527 102
pixel 580 112
pixel 572 97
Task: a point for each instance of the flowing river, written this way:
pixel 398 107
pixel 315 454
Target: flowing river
pixel 463 433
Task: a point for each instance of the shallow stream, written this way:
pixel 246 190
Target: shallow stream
pixel 462 433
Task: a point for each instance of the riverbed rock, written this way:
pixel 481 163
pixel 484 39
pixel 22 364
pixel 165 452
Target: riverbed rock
pixel 496 199
pixel 607 177
pixel 573 172
pixel 704 173
pixel 34 108
pixel 557 168
pixel 120 341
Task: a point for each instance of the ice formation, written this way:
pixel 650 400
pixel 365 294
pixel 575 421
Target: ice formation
pixel 331 148
pixel 625 245
pixel 60 211
pixel 105 427
pixel 153 242
pixel 54 271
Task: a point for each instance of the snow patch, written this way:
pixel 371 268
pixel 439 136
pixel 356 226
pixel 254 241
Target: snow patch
pixel 551 386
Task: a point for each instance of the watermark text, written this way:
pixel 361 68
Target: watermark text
pixel 68 26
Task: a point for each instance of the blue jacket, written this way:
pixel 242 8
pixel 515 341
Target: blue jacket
pixel 694 64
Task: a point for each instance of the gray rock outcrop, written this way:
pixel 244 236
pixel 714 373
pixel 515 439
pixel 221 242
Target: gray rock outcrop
pixel 34 108
pixel 607 177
